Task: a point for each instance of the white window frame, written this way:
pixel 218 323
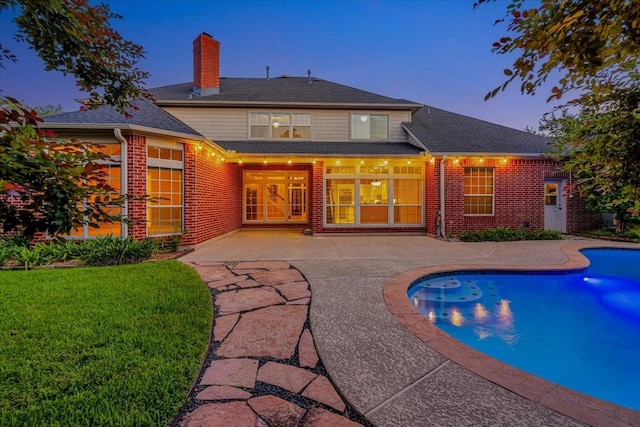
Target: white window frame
pixel 366 117
pixel 357 177
pixel 291 125
pixel 116 161
pixel 287 181
pixel 493 192
pixel 167 164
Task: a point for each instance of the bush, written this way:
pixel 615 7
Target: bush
pixel 501 234
pixel 117 251
pixel 100 251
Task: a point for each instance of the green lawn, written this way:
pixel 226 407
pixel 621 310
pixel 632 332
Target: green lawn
pixel 100 346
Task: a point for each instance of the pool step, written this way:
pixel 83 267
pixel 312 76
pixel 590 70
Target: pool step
pixel 449 290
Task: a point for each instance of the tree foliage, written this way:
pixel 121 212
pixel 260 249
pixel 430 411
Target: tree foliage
pixel 75 38
pixel 589 42
pixel 592 47
pixel 48 185
pixel 600 143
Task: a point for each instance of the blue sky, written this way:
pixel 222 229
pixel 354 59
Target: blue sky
pixel 435 52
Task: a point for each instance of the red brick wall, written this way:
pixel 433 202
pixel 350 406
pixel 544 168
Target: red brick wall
pixel 578 217
pixel 206 62
pixel 137 185
pixel 432 194
pixel 317 204
pixel 212 196
pixel 518 194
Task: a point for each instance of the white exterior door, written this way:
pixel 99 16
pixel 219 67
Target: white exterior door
pixel 554 202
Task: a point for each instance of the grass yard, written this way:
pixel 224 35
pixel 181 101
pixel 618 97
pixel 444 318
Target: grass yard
pixel 100 346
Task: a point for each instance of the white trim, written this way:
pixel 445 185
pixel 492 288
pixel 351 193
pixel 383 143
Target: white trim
pixel 493 187
pixel 390 177
pixel 121 126
pixel 124 180
pixel 367 113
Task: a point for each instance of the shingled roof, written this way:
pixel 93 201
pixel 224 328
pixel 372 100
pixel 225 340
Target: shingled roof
pixel 322 148
pixel 287 90
pixel 444 132
pixel 148 115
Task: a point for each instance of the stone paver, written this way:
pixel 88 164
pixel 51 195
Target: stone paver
pixel 227 281
pixel 322 390
pixel 318 417
pixel 232 414
pixel 268 332
pixel 232 372
pixel 307 351
pixel 247 299
pixel 303 301
pixel 286 376
pixel 212 273
pixel 277 277
pixel 294 291
pixel 223 325
pixel 248 283
pixel 223 392
pixel 261 265
pixel 276 411
pixel 256 333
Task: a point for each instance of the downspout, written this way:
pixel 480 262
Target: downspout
pixel 117 132
pixel 442 201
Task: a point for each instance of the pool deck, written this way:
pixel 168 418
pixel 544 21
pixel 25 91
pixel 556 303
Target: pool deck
pixel 390 364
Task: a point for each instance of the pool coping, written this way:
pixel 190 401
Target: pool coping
pixel 574 404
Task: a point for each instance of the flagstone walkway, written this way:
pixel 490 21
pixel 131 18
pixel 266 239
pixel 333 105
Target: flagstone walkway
pixel 262 368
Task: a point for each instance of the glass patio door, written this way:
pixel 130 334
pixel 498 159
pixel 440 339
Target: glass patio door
pixel 275 196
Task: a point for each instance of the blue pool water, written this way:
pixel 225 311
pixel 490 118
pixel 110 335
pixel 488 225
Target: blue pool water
pixel 578 329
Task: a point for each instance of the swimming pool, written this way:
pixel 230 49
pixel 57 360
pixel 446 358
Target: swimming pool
pixel 578 329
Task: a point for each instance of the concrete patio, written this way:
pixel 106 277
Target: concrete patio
pixel 382 369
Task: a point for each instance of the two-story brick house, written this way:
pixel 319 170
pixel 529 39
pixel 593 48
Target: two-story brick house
pixel 224 153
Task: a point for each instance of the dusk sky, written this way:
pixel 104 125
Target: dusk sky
pixel 435 52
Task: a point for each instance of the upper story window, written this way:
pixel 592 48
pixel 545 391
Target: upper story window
pixel 280 125
pixel 370 126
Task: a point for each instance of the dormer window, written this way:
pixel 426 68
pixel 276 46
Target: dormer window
pixel 280 125
pixel 370 127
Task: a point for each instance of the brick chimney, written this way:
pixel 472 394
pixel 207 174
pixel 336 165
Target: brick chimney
pixel 206 65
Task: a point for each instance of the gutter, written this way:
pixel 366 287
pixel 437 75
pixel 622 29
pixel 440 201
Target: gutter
pixel 124 177
pixel 480 154
pixel 442 200
pixel 119 127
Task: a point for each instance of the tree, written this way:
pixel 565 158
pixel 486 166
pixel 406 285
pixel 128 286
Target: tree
pixel 76 38
pixel 48 185
pixel 603 143
pixel 589 42
pixel 53 186
pixel 594 48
